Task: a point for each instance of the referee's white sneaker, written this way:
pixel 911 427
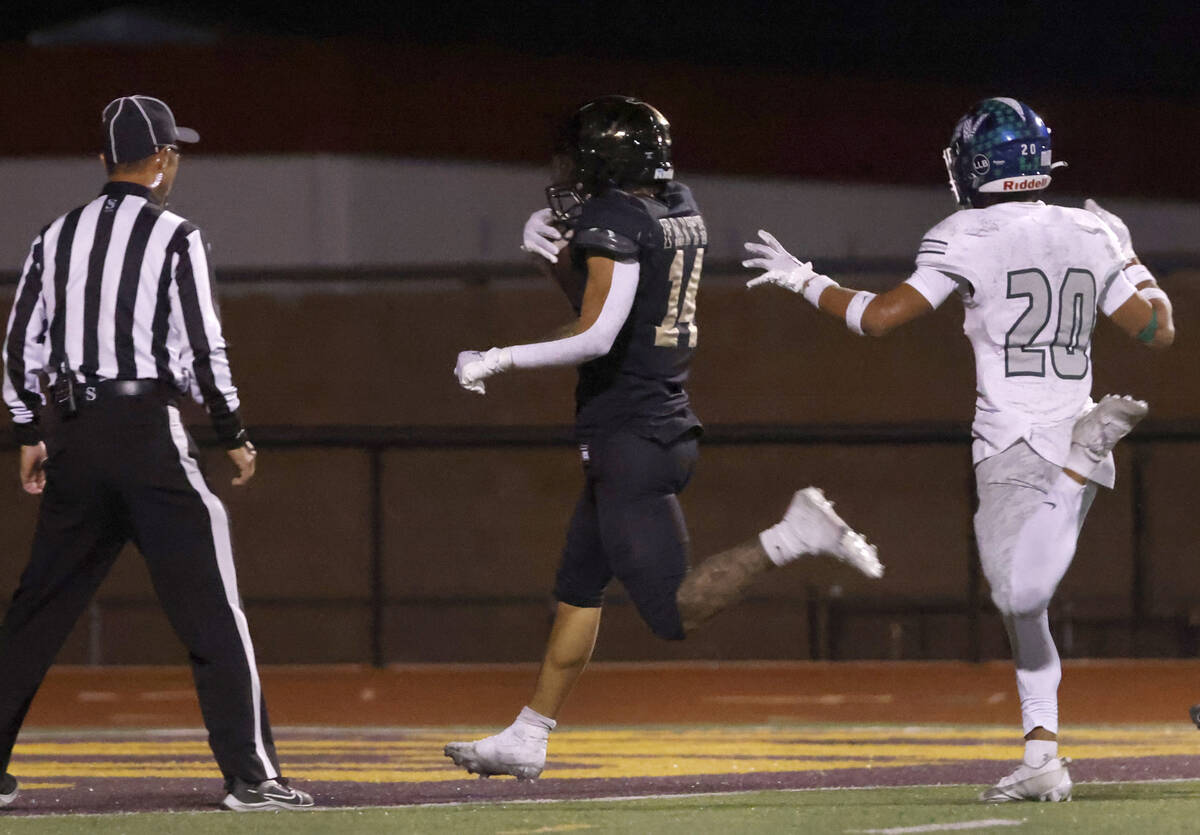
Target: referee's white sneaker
pixel 509 752
pixel 1049 781
pixel 1097 431
pixel 9 789
pixel 811 526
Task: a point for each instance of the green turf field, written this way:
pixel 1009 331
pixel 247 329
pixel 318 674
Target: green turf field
pixel 1142 808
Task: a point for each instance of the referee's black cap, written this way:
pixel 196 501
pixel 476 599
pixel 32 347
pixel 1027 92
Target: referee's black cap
pixel 137 126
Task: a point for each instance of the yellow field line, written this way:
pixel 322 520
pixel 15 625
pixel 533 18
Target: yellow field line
pixel 415 756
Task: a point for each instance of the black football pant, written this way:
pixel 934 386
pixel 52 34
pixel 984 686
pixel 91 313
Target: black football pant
pixel 628 524
pixel 123 470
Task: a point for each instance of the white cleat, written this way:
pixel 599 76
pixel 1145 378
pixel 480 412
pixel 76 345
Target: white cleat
pixel 1050 782
pixel 811 526
pixel 508 752
pixel 1098 430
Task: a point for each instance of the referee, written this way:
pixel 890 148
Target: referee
pixel 115 308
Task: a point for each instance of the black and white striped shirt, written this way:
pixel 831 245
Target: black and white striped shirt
pixel 118 289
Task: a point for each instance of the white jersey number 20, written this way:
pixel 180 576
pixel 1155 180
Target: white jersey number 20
pixel 1025 346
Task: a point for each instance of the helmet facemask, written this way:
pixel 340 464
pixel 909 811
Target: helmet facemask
pixel 961 196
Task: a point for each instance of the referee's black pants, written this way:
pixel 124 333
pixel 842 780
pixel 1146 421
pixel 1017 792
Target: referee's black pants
pixel 124 470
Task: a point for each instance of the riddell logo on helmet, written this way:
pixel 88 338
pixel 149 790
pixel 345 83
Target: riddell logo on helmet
pixel 1026 184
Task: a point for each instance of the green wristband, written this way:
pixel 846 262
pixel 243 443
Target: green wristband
pixel 1147 333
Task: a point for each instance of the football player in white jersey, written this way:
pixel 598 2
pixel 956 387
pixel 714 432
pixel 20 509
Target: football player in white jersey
pixel 1032 277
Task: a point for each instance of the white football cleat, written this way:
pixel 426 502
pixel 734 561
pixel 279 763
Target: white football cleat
pixel 1098 430
pixel 1049 782
pixel 811 526
pixel 508 752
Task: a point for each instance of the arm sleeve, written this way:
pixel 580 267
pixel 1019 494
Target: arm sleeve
pixel 597 340
pixel 935 285
pixel 25 349
pixel 1117 290
pixel 196 319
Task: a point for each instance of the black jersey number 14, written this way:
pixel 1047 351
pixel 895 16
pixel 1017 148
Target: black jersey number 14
pixel 680 322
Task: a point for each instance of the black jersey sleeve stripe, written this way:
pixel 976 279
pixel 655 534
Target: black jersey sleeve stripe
pixel 931 252
pixel 127 289
pixel 193 318
pixel 208 356
pixel 934 241
pixel 62 272
pixel 160 327
pixel 21 394
pixel 95 278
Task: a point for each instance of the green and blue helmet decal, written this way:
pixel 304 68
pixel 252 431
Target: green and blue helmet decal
pixel 1000 146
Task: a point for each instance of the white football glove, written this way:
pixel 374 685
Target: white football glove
pixel 781 266
pixel 542 238
pixel 1115 224
pixel 473 367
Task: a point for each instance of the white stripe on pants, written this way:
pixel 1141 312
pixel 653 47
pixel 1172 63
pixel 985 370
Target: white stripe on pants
pixel 223 547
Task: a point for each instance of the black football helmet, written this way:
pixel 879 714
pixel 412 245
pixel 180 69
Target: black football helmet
pixel 610 142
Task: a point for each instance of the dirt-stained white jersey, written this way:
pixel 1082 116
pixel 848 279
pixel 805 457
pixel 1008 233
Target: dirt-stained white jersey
pixel 1032 277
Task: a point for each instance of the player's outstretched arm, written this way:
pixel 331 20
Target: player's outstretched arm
pixel 611 287
pixel 1146 315
pixel 864 313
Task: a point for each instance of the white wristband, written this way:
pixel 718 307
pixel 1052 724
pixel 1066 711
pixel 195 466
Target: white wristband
pixel 1137 273
pixel 815 286
pixel 1149 293
pixel 856 309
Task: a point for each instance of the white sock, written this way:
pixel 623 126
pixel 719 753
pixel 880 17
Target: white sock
pixel 1037 751
pixel 1081 460
pixel 1039 670
pixel 781 544
pixel 533 724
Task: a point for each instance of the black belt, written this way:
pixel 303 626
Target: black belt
pixel 126 388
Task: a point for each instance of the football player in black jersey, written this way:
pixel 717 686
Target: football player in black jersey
pixel 636 245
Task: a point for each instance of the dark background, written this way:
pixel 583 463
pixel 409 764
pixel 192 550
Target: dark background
pixel 1081 47
pixel 859 91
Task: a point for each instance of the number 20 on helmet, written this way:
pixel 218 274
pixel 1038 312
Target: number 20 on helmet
pixel 1000 147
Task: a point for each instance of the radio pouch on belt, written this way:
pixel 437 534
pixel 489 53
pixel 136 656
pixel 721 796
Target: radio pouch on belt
pixel 63 392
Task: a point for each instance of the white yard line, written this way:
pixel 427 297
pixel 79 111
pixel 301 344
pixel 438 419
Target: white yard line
pixel 943 827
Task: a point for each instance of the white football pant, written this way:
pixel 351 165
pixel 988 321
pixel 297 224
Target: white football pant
pixel 1028 522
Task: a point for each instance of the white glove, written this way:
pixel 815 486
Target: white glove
pixel 1115 224
pixel 473 367
pixel 541 238
pixel 781 266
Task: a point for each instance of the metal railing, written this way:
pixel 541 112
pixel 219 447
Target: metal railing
pixel 825 613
